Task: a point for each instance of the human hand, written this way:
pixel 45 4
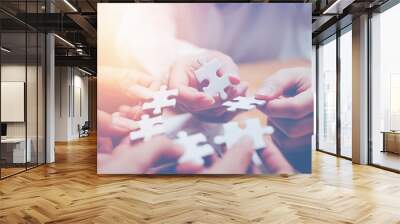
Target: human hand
pixel 289 106
pixel 139 158
pixel 236 160
pixel 124 88
pixel 182 77
pixel 113 127
pixel 119 123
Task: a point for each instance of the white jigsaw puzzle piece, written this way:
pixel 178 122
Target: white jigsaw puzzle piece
pixel 253 129
pixel 194 151
pixel 161 99
pixel 243 103
pixel 216 84
pixel 148 128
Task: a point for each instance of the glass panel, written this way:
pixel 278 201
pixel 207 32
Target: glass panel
pixel 31 97
pixel 41 98
pixel 13 86
pixel 32 89
pixel 327 97
pixel 346 94
pixel 385 86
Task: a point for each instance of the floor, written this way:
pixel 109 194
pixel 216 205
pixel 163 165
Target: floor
pixel 386 159
pixel 70 191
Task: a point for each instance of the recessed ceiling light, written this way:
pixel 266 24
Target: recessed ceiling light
pixel 65 41
pixel 5 50
pixel 84 71
pixel 70 5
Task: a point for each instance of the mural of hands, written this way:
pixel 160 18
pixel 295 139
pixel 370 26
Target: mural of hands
pixel 191 98
pixel 290 105
pixel 151 156
pixel 170 70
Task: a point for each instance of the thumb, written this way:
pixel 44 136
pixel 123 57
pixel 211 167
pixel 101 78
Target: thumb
pixel 276 85
pixel 193 98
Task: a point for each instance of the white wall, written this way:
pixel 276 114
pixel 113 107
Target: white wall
pixel 12 73
pixel 71 102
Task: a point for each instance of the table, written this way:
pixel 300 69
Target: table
pixel 391 141
pixel 16 153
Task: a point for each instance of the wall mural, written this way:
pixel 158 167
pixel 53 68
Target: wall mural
pixel 215 88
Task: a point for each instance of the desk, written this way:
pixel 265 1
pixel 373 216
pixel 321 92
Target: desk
pixel 391 141
pixel 13 150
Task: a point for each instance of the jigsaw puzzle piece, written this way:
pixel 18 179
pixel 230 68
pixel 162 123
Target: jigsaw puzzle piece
pixel 243 103
pixel 148 127
pixel 253 129
pixel 216 84
pixel 195 149
pixel 161 99
pixel 257 132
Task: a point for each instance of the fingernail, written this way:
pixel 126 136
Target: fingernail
pixel 235 79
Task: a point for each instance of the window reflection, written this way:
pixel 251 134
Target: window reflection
pixel 327 97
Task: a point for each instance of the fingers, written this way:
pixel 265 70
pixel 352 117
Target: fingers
pixel 237 90
pixel 294 128
pixel 188 168
pixel 133 113
pixel 193 100
pixel 236 160
pixel 290 107
pixel 139 92
pixel 276 85
pixel 234 79
pixel 107 127
pixel 141 157
pixel 275 161
pixel 284 80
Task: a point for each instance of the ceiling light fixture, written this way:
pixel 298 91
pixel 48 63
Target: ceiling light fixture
pixel 70 5
pixel 337 7
pixel 84 71
pixel 65 41
pixel 5 50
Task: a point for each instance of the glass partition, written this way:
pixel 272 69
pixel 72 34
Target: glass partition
pixel 14 153
pixel 346 93
pixel 41 107
pixel 23 91
pixel 327 96
pixel 31 97
pixel 385 89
